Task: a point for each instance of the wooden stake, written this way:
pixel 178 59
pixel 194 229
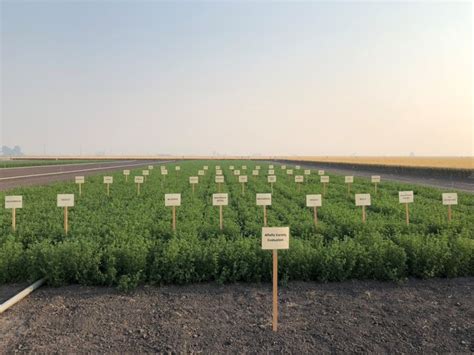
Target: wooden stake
pixel 174 218
pixel 449 213
pixel 193 188
pixel 349 188
pixel 126 178
pixel 264 215
pixel 220 217
pixel 65 220
pixel 407 212
pixel 108 189
pixel 14 219
pixel 315 216
pixel 218 187
pixel 271 184
pixel 275 290
pixel 324 188
pixel 363 214
pixel 243 188
pixel 299 187
pixel 80 190
pixel 138 189
pixel 375 184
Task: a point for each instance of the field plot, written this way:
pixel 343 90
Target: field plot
pixel 126 238
pixel 41 162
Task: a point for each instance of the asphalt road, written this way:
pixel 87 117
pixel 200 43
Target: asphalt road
pixel 27 176
pixel 466 185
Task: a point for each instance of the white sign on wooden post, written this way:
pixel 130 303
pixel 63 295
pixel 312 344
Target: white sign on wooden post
pixel 375 178
pixel 405 196
pixel 299 178
pixel 13 202
pixel 307 172
pixel 274 238
pixel 255 172
pixel 193 180
pixel 348 179
pixel 201 172
pixel 150 167
pixel 257 167
pixel 177 168
pixel 218 167
pixel 138 179
pixel 205 167
pixel 219 179
pixel 231 167
pixel 297 167
pixel 289 172
pixel 80 179
pixel 236 172
pixel 272 178
pixel 147 172
pixel 450 198
pixel 314 200
pixel 362 200
pixel 325 179
pixel 264 199
pixel 270 167
pixel 271 172
pixel 220 199
pixel 164 172
pixel 243 178
pixel 218 172
pixel 320 172
pixel 283 167
pixel 108 179
pixel 126 172
pixel 65 200
pixel 244 167
pixel 172 200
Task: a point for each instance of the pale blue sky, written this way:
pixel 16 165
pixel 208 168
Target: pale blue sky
pixel 306 78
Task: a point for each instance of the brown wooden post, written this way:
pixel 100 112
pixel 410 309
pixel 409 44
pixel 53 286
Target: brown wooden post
pixel 65 220
pixel 108 189
pixel 174 218
pixel 220 217
pixel 407 212
pixel 138 189
pixel 80 189
pixel 449 213
pixel 315 216
pixel 275 290
pixel 264 215
pixel 14 219
pixel 363 214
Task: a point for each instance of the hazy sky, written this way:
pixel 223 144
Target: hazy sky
pixel 306 78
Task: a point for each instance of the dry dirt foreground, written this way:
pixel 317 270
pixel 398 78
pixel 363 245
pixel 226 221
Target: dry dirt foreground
pixel 417 316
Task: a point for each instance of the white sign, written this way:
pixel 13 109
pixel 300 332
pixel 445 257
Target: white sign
pixel 244 167
pixel 271 172
pixel 108 179
pixel 243 178
pixel 139 179
pixel 164 172
pixel 362 199
pixel 172 200
pixel 126 172
pixel 257 167
pixel 297 167
pixel 218 172
pixel 65 200
pixel 299 178
pixel 219 179
pixel 275 238
pixel 289 171
pixel 80 179
pixel 218 167
pixel 314 200
pixel 231 167
pixel 307 172
pixel 283 167
pixel 272 178
pixel 236 172
pixel 375 178
pixel 13 201
pixel 255 172
pixel 320 172
pixel 201 172
pixel 405 196
pixel 205 167
pixel 264 199
pixel 163 167
pixel 450 198
pixel 221 199
pixel 325 178
pixel 150 167
pixel 147 172
pixel 270 167
pixel 348 179
pixel 177 168
pixel 193 179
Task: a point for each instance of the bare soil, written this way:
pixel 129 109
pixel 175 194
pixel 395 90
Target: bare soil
pixel 417 316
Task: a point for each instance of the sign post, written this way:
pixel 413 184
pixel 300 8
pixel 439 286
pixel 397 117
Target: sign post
pixel 173 200
pixel 108 180
pixel 449 199
pixel 177 169
pixel 243 180
pixel 138 180
pixel 349 180
pixel 314 201
pixel 145 173
pixel 272 179
pixel 274 238
pixel 220 199
pixel 264 200
pixel 80 180
pixel 219 181
pixel 255 173
pixel 299 179
pixel 193 180
pixel 406 197
pixel 362 200
pixel 126 173
pixel 320 172
pixel 375 180
pixel 13 202
pixel 65 200
pixel 324 180
pixel 289 172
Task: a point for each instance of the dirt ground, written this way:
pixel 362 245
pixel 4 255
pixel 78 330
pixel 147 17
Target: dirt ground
pixel 416 316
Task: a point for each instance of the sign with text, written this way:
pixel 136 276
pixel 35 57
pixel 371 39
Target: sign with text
pixel 193 179
pixel 164 172
pixel 126 172
pixel 320 172
pixel 220 199
pixel 243 178
pixel 271 172
pixel 172 200
pixel 139 179
pixel 375 178
pixel 299 178
pixel 255 172
pixel 314 200
pixel 362 199
pixel 80 179
pixel 150 167
pixel 231 167
pixel 349 179
pixel 289 172
pixel 177 168
pixel 264 199
pixel 275 238
pixel 201 172
pixel 272 178
pixel 450 198
pixel 219 179
pixel 108 179
pixel 324 179
pixel 147 172
pixel 218 167
pixel 257 167
pixel 283 167
pixel 14 201
pixel 237 172
pixel 297 167
pixel 244 167
pixel 218 172
pixel 307 172
pixel 65 200
pixel 405 196
pixel 205 167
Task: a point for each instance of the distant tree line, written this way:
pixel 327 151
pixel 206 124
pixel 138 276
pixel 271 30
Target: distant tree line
pixel 15 151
